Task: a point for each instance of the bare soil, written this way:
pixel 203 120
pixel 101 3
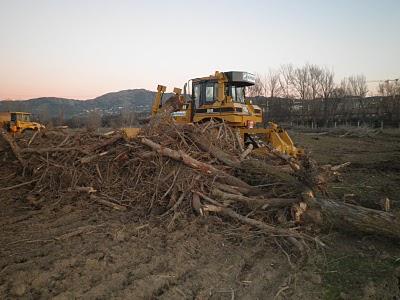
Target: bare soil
pixel 80 250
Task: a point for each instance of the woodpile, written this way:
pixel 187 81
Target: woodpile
pixel 171 171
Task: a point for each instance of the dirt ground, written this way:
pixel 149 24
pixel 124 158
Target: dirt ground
pixel 80 250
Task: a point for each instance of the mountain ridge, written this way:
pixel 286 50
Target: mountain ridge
pixel 137 100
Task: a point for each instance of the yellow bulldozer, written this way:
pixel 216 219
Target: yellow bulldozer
pixel 221 97
pixel 18 122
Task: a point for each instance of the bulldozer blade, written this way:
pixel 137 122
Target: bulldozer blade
pixel 273 136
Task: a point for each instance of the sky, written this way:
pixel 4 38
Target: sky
pixel 81 49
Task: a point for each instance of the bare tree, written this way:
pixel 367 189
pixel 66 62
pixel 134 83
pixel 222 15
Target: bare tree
pixel 389 88
pixel 286 80
pixel 357 86
pixel 344 90
pixel 272 84
pixel 301 77
pixel 314 76
pixel 326 83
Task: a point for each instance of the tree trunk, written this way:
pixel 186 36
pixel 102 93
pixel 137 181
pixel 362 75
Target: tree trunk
pixel 351 218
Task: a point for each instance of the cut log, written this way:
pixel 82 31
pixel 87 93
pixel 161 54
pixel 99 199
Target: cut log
pixel 350 218
pixel 246 152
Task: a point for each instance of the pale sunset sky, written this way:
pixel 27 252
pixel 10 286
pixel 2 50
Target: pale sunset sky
pixel 84 48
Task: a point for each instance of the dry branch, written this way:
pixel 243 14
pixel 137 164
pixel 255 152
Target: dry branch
pixel 18 185
pixel 258 224
pixel 108 203
pixel 195 164
pixel 90 158
pixel 106 143
pixel 254 203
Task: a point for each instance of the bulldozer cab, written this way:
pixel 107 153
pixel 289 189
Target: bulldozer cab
pixel 222 97
pixel 223 86
pixel 20 116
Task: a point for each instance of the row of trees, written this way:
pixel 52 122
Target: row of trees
pixel 389 88
pixel 311 81
pixel 310 94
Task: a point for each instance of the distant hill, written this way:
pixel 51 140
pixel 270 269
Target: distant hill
pixel 137 100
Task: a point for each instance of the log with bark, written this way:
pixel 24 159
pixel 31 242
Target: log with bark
pixel 346 217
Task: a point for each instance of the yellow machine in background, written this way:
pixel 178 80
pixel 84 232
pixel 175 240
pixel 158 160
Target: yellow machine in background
pixel 221 97
pixel 17 122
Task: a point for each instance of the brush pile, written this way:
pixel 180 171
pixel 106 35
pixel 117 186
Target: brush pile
pixel 171 171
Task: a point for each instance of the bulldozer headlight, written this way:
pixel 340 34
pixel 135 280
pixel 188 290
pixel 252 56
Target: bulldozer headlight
pixel 250 124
